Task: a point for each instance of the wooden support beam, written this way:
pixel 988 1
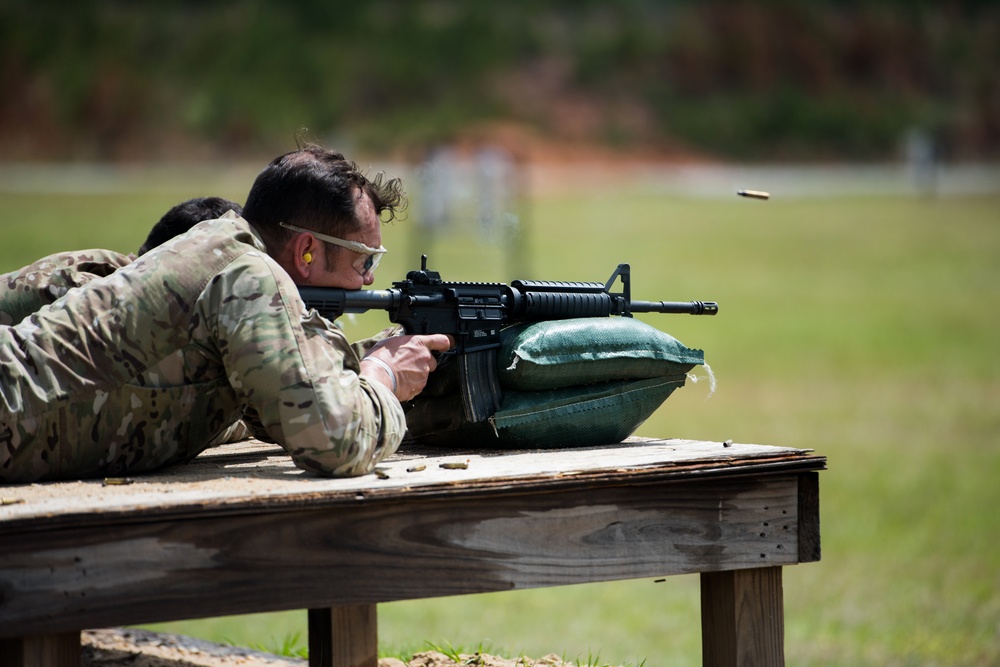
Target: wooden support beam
pixel 809 537
pixel 345 636
pixel 742 618
pixel 61 650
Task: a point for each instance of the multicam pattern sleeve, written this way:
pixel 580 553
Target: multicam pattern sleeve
pixel 297 371
pixel 24 291
pixel 148 366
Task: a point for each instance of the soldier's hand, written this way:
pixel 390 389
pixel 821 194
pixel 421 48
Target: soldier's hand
pixel 404 361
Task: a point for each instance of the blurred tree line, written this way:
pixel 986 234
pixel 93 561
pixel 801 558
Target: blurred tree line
pixel 773 79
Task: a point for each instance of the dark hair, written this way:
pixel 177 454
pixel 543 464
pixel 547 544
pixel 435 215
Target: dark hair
pixel 317 189
pixel 184 216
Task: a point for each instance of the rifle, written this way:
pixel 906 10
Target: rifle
pixel 473 313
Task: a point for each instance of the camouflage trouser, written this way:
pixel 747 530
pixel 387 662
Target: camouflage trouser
pixel 131 430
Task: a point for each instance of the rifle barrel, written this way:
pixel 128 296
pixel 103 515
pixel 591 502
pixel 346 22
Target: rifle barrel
pixel 682 307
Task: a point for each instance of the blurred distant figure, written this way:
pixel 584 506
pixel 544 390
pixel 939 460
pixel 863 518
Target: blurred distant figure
pixel 24 291
pixel 437 179
pixel 495 178
pixel 922 160
pixel 467 189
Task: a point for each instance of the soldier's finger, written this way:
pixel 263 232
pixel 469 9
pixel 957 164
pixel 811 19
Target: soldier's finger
pixel 438 342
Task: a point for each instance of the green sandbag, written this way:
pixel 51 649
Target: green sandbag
pixel 565 353
pixel 598 414
pixel 565 383
pixel 584 416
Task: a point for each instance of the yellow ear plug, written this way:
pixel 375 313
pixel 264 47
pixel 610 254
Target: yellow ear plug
pixel 307 258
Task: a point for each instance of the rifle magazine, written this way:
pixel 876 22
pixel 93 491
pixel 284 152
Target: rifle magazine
pixel 480 384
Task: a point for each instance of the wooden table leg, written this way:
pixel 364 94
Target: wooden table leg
pixel 62 650
pixel 742 618
pixel 344 636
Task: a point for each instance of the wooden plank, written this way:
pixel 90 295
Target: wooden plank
pixel 59 650
pixel 345 636
pixel 742 616
pixel 140 572
pixel 251 476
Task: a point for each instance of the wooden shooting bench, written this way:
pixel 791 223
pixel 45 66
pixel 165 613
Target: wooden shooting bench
pixel 240 530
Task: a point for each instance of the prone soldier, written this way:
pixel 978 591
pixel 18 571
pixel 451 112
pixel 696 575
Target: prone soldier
pixel 147 366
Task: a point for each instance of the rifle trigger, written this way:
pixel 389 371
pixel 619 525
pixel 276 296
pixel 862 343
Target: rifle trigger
pixel 444 356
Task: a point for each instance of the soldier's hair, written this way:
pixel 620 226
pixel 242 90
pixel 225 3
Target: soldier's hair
pixel 184 216
pixel 318 189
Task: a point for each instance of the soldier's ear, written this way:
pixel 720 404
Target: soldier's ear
pixel 301 252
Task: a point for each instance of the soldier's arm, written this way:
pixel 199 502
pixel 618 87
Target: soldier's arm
pixel 299 373
pixel 24 291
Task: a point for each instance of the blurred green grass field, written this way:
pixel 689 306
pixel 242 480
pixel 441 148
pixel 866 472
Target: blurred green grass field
pixel 863 328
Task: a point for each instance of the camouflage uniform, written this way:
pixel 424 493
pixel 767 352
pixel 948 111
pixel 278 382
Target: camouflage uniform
pixel 145 367
pixel 24 291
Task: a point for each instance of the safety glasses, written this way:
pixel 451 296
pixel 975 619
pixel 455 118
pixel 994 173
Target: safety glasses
pixel 365 264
